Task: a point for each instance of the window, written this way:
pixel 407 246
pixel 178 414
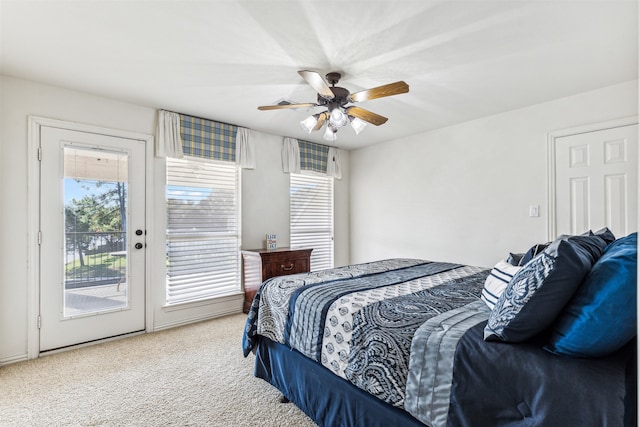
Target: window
pixel 203 229
pixel 311 217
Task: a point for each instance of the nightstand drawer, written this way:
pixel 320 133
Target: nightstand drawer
pixel 284 267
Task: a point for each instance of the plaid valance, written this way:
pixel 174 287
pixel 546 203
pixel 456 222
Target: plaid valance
pixel 313 157
pixel 208 139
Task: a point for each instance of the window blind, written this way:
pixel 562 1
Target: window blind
pixel 311 217
pixel 203 229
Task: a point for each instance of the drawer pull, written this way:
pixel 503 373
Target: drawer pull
pixel 287 268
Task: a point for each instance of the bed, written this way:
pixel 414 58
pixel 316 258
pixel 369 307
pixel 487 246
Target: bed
pixel 417 342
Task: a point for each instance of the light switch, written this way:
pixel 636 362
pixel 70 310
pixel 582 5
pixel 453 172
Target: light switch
pixel 534 211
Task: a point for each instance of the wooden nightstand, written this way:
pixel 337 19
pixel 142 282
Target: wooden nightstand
pixel 259 265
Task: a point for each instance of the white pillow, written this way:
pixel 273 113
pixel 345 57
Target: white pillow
pixel 497 282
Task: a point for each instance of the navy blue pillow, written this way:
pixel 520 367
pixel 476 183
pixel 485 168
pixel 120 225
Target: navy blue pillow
pixel 532 253
pixel 514 259
pixel 538 292
pixel 601 317
pixel 606 235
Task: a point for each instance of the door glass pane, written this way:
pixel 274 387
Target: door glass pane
pixel 95 227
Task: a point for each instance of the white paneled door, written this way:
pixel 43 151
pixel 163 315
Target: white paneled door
pixel 597 181
pixel 92 237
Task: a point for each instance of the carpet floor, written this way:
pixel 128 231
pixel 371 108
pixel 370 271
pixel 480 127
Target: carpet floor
pixel 193 375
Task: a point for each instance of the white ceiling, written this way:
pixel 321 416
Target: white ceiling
pixel 221 59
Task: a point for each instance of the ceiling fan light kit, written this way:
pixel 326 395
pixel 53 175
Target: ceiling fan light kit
pixel 336 98
pixel 309 123
pixel 338 117
pixel 330 133
pixel 357 124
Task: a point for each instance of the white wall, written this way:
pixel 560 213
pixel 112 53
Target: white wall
pixel 264 203
pixel 462 193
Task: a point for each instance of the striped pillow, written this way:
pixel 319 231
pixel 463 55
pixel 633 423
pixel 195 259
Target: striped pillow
pixel 497 282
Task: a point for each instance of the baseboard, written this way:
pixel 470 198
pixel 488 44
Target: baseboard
pixel 14 359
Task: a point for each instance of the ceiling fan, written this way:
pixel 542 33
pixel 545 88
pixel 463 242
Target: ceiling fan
pixel 336 98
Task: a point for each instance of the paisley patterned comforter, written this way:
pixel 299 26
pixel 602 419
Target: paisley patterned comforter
pixel 360 321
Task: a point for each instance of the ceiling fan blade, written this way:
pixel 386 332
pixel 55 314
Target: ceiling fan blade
pixel 366 115
pixel 380 92
pixel 321 119
pixel 283 106
pixel 316 81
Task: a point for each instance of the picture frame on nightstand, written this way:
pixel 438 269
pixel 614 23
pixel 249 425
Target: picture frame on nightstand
pixel 272 242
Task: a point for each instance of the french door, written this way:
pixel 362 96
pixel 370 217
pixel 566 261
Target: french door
pixel 92 237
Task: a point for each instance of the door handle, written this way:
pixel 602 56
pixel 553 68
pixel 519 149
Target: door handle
pixel 138 245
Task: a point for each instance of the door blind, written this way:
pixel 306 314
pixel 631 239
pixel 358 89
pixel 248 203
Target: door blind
pixel 203 229
pixel 311 217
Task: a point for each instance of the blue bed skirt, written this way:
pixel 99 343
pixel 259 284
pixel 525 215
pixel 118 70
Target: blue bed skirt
pixel 327 399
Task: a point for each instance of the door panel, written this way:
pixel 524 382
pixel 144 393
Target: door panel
pixel 92 275
pixel 596 181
